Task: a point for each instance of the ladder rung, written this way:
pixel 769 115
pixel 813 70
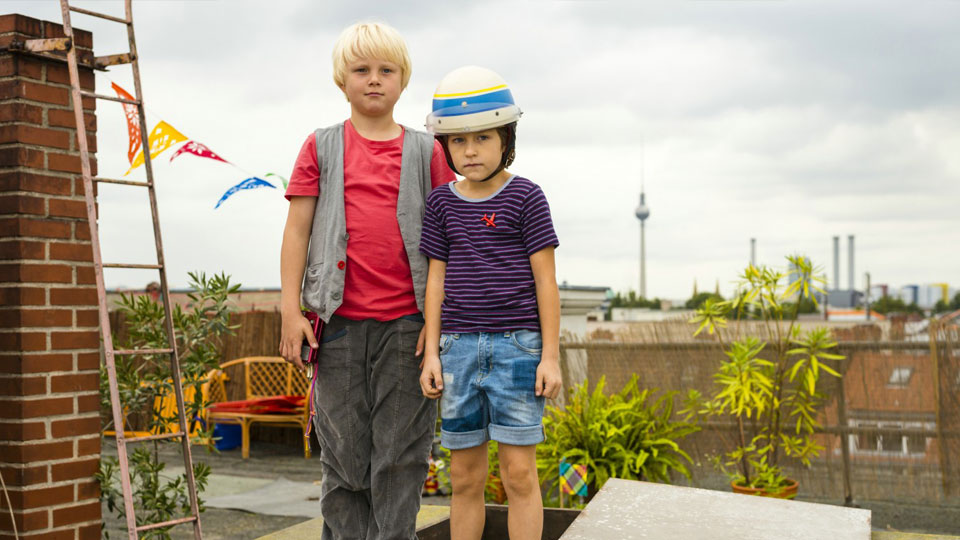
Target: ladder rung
pixel 85 93
pixel 167 523
pixel 101 62
pixel 142 351
pixel 138 266
pixel 42 45
pixel 101 15
pixel 121 182
pixel 155 437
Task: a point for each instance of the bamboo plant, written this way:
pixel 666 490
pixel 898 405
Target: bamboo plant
pixel 768 383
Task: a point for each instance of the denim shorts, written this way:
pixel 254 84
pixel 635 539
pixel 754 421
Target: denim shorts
pixel 489 381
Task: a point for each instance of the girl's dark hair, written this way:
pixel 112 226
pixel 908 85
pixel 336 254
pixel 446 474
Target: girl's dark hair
pixel 508 138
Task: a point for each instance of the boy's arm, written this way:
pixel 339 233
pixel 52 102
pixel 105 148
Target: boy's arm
pixel 431 377
pixel 293 259
pixel 543 265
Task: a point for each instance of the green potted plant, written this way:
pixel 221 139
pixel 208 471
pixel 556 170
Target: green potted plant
pixel 631 434
pixel 767 383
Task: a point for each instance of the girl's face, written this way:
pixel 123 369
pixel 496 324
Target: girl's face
pixel 476 155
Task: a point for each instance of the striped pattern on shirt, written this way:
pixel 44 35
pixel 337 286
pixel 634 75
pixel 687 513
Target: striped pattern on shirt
pixel 487 244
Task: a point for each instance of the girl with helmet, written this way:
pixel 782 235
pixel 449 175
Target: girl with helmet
pixel 492 305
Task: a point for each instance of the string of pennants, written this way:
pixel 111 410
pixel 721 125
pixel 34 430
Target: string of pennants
pixel 163 136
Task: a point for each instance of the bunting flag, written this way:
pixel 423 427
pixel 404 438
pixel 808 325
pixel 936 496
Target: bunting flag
pixel 573 478
pixel 250 183
pixel 197 149
pixel 282 179
pixel 162 137
pixel 133 122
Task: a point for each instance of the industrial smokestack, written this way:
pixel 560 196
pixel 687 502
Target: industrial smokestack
pixel 850 261
pixel 836 264
pixel 753 251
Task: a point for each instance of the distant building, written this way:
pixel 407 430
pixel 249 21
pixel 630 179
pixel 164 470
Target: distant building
pixel 878 291
pixel 928 295
pixel 909 293
pixel 576 303
pixel 648 315
pixel 853 315
pixel 844 298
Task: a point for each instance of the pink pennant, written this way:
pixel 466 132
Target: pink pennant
pixel 133 122
pixel 197 149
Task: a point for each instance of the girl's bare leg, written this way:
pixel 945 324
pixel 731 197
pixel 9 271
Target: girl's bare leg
pixel 518 470
pixel 468 476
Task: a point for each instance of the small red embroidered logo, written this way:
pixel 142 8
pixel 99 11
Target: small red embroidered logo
pixel 489 220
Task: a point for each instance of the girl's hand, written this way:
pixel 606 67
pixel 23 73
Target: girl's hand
pixel 549 380
pixel 431 377
pixel 295 328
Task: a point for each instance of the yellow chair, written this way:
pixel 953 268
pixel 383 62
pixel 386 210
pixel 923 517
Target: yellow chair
pixel 263 377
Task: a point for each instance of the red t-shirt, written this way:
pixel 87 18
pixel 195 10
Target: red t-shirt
pixel 377 283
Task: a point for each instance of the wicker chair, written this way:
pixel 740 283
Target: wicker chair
pixel 263 377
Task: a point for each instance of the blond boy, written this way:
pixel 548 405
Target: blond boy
pixel 351 240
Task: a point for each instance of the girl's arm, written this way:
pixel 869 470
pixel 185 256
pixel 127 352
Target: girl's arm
pixel 431 376
pixel 544 269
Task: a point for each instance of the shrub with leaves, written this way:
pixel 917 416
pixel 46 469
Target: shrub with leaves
pixel 771 382
pixel 629 435
pixel 156 497
pixel 145 383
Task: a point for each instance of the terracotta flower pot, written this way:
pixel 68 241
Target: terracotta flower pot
pixel 788 491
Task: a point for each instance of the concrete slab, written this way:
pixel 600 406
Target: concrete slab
pixel 281 497
pixel 428 515
pixel 629 510
pixel 219 485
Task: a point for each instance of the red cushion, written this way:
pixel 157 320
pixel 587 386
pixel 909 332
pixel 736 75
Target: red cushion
pixel 268 405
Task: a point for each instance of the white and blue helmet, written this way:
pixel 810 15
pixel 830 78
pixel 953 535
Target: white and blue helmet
pixel 469 99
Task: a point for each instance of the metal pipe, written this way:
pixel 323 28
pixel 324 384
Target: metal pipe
pixel 850 262
pixel 836 264
pixel 753 252
pixel 866 297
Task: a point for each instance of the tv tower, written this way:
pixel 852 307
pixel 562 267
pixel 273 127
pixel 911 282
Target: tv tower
pixel 642 213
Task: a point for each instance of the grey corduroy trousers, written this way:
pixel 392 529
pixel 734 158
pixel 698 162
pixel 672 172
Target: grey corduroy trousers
pixel 375 428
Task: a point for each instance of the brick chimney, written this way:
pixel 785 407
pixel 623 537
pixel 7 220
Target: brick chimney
pixel 49 337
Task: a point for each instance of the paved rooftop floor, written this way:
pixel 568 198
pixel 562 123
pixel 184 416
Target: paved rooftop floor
pixel 271 462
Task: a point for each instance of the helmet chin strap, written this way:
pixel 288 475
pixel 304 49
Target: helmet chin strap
pixel 496 172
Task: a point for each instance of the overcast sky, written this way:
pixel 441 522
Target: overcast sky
pixel 790 122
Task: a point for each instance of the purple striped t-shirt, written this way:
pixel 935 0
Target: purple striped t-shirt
pixel 487 244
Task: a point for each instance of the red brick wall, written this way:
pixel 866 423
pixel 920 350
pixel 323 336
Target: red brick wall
pixel 49 338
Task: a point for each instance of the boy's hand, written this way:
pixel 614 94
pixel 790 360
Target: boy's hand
pixel 294 329
pixel 549 379
pixel 431 377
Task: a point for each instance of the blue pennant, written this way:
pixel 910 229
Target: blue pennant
pixel 250 183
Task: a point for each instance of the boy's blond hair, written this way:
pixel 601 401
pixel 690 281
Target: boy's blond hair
pixel 370 40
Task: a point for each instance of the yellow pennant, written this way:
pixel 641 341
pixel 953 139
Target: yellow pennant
pixel 162 137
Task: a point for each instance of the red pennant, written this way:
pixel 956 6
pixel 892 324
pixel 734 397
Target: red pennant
pixel 133 122
pixel 197 149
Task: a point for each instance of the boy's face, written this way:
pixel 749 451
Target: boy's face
pixel 476 155
pixel 372 86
